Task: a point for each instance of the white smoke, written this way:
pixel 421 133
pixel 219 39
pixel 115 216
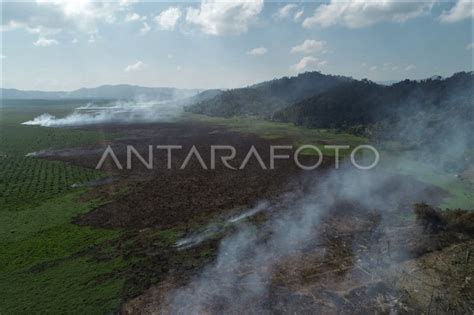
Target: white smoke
pixel 214 229
pixel 116 112
pixel 242 272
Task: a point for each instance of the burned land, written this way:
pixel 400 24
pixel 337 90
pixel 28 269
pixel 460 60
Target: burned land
pixel 357 257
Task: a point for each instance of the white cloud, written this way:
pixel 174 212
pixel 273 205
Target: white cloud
pixel 309 46
pixel 145 29
pixel 178 68
pixel 47 17
pixel 75 41
pixel 308 62
pixel 298 14
pixel 285 11
pixel 125 3
pixel 13 25
pixel 355 13
pixel 257 51
pixel 85 14
pixel 93 37
pixel 373 68
pixel 168 19
pixel 3 57
pixel 470 46
pixel 133 17
pixel 230 17
pixel 288 11
pixel 463 9
pixel 388 66
pixel 134 67
pixel 410 68
pixel 44 42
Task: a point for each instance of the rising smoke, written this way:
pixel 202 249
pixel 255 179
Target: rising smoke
pixel 114 112
pixel 242 273
pixel 243 270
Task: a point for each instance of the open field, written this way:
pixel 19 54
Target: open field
pixel 119 245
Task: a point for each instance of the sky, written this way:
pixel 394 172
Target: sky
pixel 68 44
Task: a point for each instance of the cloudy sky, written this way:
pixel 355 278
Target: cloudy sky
pixel 64 45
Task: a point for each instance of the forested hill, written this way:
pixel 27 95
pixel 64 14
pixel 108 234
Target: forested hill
pixel 365 102
pixel 265 98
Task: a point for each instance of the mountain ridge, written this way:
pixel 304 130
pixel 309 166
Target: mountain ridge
pixel 107 91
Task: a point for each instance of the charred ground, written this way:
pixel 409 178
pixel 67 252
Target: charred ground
pixel 342 267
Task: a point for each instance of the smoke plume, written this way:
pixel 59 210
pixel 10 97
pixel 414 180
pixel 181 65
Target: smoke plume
pixel 242 272
pixel 115 112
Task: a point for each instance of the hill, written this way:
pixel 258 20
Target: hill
pixel 265 98
pixel 365 102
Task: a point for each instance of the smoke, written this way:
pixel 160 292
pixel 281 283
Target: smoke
pixel 214 229
pixel 435 127
pixel 241 277
pixel 242 273
pixel 115 112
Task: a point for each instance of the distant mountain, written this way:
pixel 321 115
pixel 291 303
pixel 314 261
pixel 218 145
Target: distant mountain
pixel 122 91
pixel 265 98
pixel 19 94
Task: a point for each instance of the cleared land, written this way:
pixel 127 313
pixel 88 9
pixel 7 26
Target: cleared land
pixel 96 250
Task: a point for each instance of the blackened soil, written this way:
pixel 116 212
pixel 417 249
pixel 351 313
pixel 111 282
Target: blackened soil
pixel 163 197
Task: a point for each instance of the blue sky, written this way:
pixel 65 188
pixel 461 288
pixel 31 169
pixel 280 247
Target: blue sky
pixel 65 45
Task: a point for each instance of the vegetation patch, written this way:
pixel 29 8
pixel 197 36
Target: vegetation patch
pixel 41 264
pixel 46 264
pixel 30 181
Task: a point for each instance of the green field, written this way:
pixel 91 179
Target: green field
pixel 42 261
pixel 42 265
